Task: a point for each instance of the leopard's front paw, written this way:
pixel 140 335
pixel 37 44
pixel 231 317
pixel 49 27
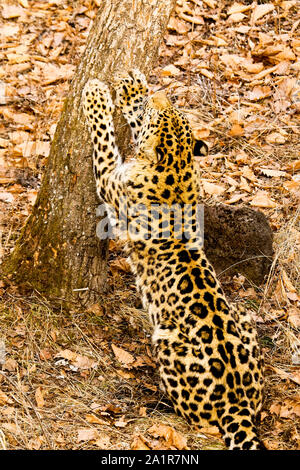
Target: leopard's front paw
pixel 96 100
pixel 131 89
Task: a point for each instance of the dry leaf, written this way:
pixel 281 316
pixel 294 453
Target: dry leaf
pixel 23 119
pixel 238 8
pixel 36 443
pixel 52 73
pixel 260 11
pixel 83 362
pixel 86 434
pixel 212 189
pixel 258 93
pixel 120 264
pixel 286 281
pixel 103 442
pixel 10 365
pixel 123 356
pixel 92 419
pixel 275 138
pixel 294 317
pixel 248 173
pixel 11 11
pixel 261 199
pixel 272 173
pixel 39 397
pixel 9 30
pixel 121 423
pixel 173 438
pixel 67 354
pixel 12 428
pixel 5 196
pixel 143 411
pixel 236 130
pixel 235 198
pixel 210 3
pixel 181 27
pixel 3 398
pixel 170 70
pixel 236 17
pixel 201 133
pixel 206 73
pixel 287 409
pixel 139 443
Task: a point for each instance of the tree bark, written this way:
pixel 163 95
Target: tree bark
pixel 58 252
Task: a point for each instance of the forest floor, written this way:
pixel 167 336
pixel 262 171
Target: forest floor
pixel 87 379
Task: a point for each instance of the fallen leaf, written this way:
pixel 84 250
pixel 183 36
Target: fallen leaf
pixel 9 30
pixel 86 434
pixel 210 3
pixel 260 11
pixel 181 27
pixel 212 189
pixel 123 356
pixel 294 317
pixel 12 428
pixel 11 11
pixel 235 198
pixel 3 398
pixel 22 119
pixel 143 411
pixel 236 130
pixel 201 133
pixel 238 8
pixel 81 362
pixel 5 196
pixel 120 264
pixel 103 442
pixel 288 409
pixel 121 423
pixel 139 443
pixel 236 17
pixel 173 438
pixel 261 199
pixel 10 364
pixel 92 419
pixel 275 138
pixel 272 173
pixel 258 93
pixel 170 70
pixel 67 354
pixel 39 397
pixel 36 443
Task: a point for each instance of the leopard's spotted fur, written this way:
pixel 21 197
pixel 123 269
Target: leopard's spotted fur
pixel 209 359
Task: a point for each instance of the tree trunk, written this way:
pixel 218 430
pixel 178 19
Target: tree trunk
pixel 58 252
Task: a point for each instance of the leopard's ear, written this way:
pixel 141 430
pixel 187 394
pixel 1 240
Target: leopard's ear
pixel 200 148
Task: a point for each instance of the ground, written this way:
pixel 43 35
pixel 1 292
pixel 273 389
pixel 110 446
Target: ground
pixel 87 379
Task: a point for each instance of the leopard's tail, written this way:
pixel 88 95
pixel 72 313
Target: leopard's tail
pixel 239 431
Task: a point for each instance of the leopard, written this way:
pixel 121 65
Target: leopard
pixel 210 363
